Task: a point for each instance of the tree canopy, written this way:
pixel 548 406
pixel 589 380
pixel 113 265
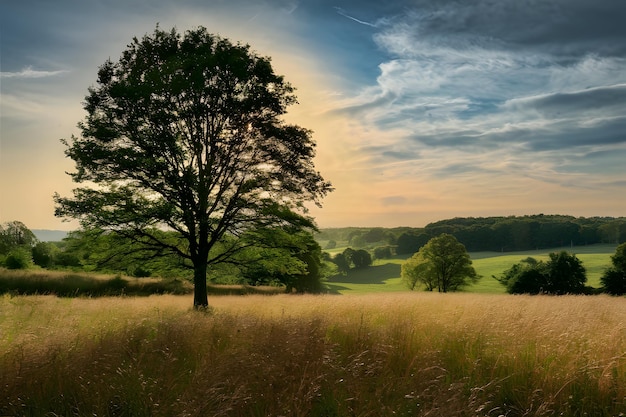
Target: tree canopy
pixel 500 234
pixel 563 273
pixel 16 242
pixel 614 278
pixel 184 133
pixel 14 235
pixel 442 264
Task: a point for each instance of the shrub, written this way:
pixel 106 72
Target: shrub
pixel 18 259
pixel 382 252
pixel 78 284
pixel 526 277
pixel 140 272
pixel 562 274
pixel 43 254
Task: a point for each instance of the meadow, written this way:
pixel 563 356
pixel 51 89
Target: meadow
pixel 369 347
pixel 385 354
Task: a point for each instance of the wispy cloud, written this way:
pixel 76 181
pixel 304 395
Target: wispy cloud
pixel 456 88
pixel 354 19
pixel 29 72
pixel 422 109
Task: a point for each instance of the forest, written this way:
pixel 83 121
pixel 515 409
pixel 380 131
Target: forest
pixel 478 234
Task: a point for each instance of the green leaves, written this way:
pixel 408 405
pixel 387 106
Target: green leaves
pixel 442 264
pixel 185 132
pixel 614 278
pixel 564 273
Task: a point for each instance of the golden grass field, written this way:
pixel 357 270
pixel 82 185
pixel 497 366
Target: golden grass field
pixel 388 354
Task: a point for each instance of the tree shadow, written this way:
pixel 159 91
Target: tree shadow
pixel 334 288
pixel 371 275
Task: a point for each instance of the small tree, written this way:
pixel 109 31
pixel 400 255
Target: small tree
pixel 361 259
pixel 348 253
pixel 443 263
pixel 526 277
pixel 342 263
pixel 15 235
pixel 383 252
pixel 614 278
pixel 566 274
pixel 44 253
pixel 185 133
pixel 562 274
pixel 18 258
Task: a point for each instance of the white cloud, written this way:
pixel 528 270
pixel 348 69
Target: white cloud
pixel 29 72
pixel 502 130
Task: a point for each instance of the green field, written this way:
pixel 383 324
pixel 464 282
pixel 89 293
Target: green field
pixel 384 275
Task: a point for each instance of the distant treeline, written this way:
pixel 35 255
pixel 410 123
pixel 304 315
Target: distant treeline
pixel 500 234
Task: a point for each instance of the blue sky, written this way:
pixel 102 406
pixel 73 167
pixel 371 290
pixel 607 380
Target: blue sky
pixel 422 109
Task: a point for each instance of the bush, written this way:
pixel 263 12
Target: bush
pixel 383 252
pixel 77 285
pixel 140 272
pixel 17 259
pixel 562 274
pixel 43 254
pixel 526 277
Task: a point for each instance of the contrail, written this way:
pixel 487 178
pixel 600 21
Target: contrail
pixel 344 14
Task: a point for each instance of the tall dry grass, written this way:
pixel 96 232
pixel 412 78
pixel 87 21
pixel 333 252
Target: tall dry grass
pixel 413 354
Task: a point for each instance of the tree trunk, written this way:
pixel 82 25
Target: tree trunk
pixel 200 298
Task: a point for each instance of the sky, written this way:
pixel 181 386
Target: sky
pixel 422 110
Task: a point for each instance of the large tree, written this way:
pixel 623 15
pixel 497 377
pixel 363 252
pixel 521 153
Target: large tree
pixel 185 133
pixel 443 264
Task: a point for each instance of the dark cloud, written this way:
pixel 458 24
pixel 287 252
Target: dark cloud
pixel 563 27
pixel 569 134
pixel 569 103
